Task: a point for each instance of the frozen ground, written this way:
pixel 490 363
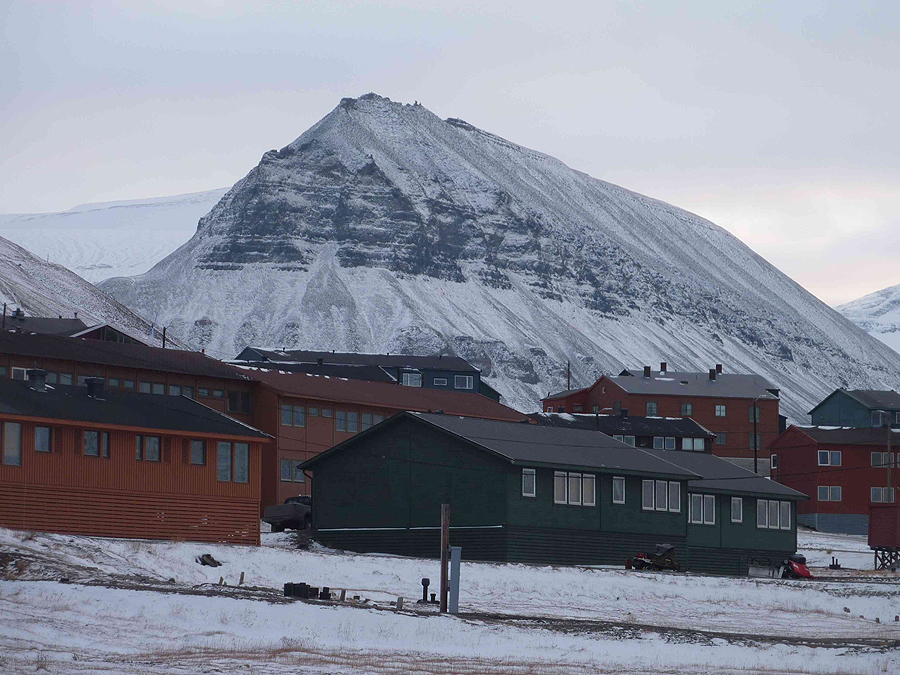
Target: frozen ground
pixel 141 606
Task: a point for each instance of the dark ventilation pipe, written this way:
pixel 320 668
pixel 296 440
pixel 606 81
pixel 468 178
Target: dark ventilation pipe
pixel 646 371
pixel 712 374
pixel 663 367
pixel 320 360
pixel 37 379
pixel 719 368
pixel 623 412
pixel 94 387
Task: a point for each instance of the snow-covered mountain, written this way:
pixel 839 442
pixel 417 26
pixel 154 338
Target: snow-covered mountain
pixel 47 289
pixel 109 239
pixel 384 228
pixel 878 314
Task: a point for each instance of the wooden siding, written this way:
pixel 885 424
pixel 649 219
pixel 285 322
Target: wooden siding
pixel 122 496
pixel 711 560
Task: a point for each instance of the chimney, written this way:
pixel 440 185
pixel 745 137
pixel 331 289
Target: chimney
pixel 320 360
pixel 662 367
pixel 712 374
pixel 37 379
pixel 623 412
pixel 19 314
pixel 94 387
pixel 719 368
pixel 646 371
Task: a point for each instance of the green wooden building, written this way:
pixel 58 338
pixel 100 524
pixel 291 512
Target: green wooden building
pixel 856 408
pixel 518 493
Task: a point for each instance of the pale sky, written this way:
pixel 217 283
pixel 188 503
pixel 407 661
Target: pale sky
pixel 776 120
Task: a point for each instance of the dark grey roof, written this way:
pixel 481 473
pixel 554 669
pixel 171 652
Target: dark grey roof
pixel 874 399
pixel 720 475
pixel 524 443
pixel 44 324
pixel 672 383
pixel 435 362
pixel 350 372
pixel 563 394
pixel 848 435
pixel 681 427
pixel 118 408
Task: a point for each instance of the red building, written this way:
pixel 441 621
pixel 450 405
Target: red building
pixel 724 403
pixel 81 460
pixel 842 470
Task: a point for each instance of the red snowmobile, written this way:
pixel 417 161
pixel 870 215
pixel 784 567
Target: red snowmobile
pixel 795 568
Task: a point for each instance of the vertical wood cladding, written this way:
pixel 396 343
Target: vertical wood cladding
pixel 70 492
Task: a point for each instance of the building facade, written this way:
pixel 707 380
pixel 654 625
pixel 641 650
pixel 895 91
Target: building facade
pixel 857 408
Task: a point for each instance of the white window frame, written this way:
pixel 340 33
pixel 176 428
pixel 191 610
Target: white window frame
pixel 827 454
pixel 712 510
pixel 831 457
pixel 574 480
pixel 819 496
pixel 696 514
pixel 721 406
pixel 831 496
pixel 773 461
pixel 687 409
pixel 440 382
pixel 722 438
pixel 19 373
pixel 630 440
pixel 644 504
pixel 616 479
pixel 557 498
pixel 674 491
pixel 739 502
pixel 654 406
pixel 762 514
pixel 659 443
pixel 775 507
pixel 665 496
pixel 687 443
pixel 588 497
pixel 785 515
pixel 533 475
pixel 407 379
pixel 468 381
pixel 670 443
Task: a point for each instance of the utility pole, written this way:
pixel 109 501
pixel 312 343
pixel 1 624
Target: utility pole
pixel 445 554
pixel 755 437
pixel 164 337
pixel 890 458
pixel 568 375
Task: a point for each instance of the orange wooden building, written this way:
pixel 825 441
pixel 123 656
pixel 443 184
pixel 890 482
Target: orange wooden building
pixel 89 461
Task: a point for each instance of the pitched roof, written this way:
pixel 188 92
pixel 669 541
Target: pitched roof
pixel 631 425
pixel 720 475
pixel 875 399
pixel 563 394
pixel 848 435
pixel 119 408
pixel 350 372
pixel 380 394
pixel 672 383
pixel 115 354
pixel 44 324
pixel 530 444
pixel 434 362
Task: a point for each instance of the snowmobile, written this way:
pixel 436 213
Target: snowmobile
pixel 662 559
pixel 795 568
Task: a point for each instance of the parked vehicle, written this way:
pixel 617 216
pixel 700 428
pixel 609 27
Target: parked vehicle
pixel 795 568
pixel 294 514
pixel 662 559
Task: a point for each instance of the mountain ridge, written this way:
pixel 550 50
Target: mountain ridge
pixel 385 228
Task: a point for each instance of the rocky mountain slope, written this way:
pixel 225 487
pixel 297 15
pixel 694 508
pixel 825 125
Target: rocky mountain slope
pixel 878 314
pixel 47 289
pixel 384 228
pixel 111 239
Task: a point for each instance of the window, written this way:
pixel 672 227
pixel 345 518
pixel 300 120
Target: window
pixel 174 390
pixel 144 387
pixel 617 406
pixel 313 412
pixel 43 439
pixel 785 515
pixel 203 392
pixel 366 421
pixel 440 382
pixel 411 379
pixel 687 409
pixel 377 419
pixel 618 490
pixel 291 471
pixel 223 461
pixel 823 493
pixel 550 409
pixel 463 382
pixel 699 444
pixel 528 483
pixel 619 437
pixel 596 408
pixel 737 510
pixel 687 443
pixel 670 442
pixel 651 408
pixel 659 443
pixel 198 452
pixel 751 410
pixel 4 372
pixel 773 515
pixel 560 495
pixel 757 439
pixel 114 382
pixel 720 410
pixel 287 416
pixel 675 497
pixel 882 494
pixel 96 443
pixel 52 378
pixel 647 495
pixel 299 476
pixel 352 422
pixel 65 378
pixel 883 459
pixel 773 461
pixel 82 379
pixel 588 490
pixel 218 393
pixel 19 374
pixel 12 443
pixel 577 407
pixel 340 420
pixel 159 388
pixel 762 513
pixel 299 416
pixel 241 462
pixel 187 391
pixel 827 458
pixel 147 448
pixel 326 412
pixel 128 384
pixel 662 495
pixel 703 509
pixel 629 440
pixel 575 488
pixel 239 402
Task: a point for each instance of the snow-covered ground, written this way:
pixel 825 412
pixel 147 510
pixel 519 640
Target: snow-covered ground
pixel 141 606
pixel 878 314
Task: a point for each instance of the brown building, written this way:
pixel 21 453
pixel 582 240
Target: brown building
pixel 84 460
pixel 721 402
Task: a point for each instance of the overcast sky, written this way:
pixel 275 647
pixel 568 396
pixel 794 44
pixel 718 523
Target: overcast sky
pixel 776 120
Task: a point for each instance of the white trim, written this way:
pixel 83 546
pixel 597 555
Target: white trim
pixel 644 506
pixel 706 499
pixel 677 489
pixel 665 499
pixel 592 479
pixel 565 493
pixel 533 474
pixel 740 502
pixel 621 478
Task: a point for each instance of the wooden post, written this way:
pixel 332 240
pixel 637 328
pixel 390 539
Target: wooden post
pixel 241 582
pixel 445 554
pixel 164 338
pixel 400 602
pixel 890 457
